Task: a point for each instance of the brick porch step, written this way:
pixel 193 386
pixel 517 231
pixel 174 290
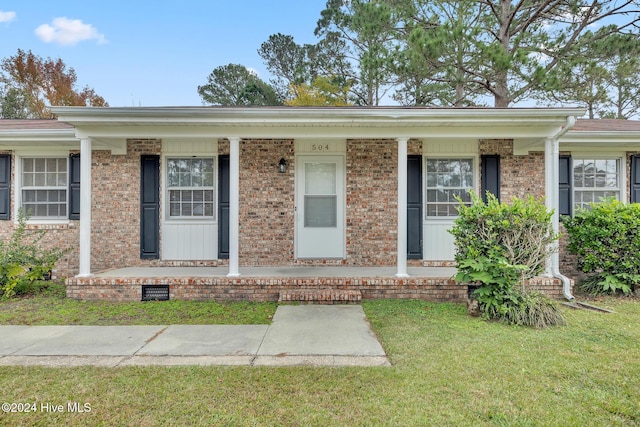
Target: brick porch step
pixel 321 296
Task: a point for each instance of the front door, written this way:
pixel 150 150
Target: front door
pixel 320 207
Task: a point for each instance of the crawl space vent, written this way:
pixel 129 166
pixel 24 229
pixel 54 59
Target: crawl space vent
pixel 155 292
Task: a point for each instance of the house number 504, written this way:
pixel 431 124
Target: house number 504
pixel 320 147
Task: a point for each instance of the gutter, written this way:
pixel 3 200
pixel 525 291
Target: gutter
pixel 552 148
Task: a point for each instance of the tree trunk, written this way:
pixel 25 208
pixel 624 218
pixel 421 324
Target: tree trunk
pixel 501 89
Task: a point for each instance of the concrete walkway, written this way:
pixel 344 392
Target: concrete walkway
pixel 316 335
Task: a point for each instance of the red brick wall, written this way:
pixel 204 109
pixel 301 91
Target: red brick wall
pixel 266 202
pixel 372 202
pixel 519 175
pixel 115 216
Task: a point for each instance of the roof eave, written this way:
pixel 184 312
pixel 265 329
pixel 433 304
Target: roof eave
pixel 289 115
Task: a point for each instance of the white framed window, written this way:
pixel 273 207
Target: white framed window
pixel 191 187
pixel 44 187
pixel 448 177
pixel 594 179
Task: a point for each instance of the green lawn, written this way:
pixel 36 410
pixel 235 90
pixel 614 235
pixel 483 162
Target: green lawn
pixel 49 306
pixel 448 369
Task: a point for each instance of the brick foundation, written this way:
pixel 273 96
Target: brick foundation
pixel 438 289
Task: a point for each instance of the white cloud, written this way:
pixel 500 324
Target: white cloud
pixel 66 31
pixel 7 16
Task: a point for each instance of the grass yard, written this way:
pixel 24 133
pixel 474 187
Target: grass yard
pixel 448 369
pixel 49 306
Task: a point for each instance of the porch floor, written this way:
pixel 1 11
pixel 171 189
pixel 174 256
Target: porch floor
pixel 276 272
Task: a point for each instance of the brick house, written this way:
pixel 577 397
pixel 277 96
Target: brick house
pixel 358 199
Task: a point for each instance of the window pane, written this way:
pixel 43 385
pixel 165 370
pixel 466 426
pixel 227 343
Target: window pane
pixel 207 179
pixel 41 210
pixel 39 179
pixel 590 175
pixel 49 175
pixel 447 178
pixel 41 195
pixel 196 173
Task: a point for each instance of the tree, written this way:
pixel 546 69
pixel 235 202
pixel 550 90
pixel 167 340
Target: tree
pixel 322 92
pixel 437 46
pixel 624 68
pixel 365 27
pixel 287 61
pixel 506 50
pixel 15 105
pixel 235 85
pixel 31 84
pixel 604 76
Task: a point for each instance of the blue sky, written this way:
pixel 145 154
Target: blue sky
pixel 152 53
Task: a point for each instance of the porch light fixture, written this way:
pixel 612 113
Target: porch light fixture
pixel 282 165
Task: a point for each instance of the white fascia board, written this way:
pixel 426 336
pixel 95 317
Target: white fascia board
pixel 325 116
pixel 38 135
pixel 601 139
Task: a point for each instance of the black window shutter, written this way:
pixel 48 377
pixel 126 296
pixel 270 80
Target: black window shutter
pixel 414 207
pixel 74 186
pixel 223 207
pixel 490 175
pixel 150 207
pixel 565 188
pixel 635 179
pixel 5 186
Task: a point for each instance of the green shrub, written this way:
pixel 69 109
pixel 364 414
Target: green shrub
pixel 606 240
pixel 499 246
pixel 22 260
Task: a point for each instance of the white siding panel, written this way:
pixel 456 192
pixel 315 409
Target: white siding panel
pixel 191 242
pixel 450 147
pixel 438 242
pixel 190 147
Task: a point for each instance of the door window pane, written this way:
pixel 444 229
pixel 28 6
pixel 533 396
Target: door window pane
pixel 320 211
pixel 320 178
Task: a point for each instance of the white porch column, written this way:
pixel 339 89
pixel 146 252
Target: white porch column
pixel 552 197
pixel 85 208
pixel 402 208
pixel 234 206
